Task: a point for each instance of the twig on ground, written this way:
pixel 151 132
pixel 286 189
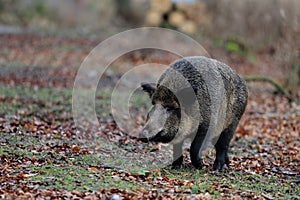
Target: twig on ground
pixel 270 80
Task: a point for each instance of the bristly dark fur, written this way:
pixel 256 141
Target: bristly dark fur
pixel 207 78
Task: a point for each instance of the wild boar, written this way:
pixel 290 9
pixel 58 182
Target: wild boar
pixel 198 98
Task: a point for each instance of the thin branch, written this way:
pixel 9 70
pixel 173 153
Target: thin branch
pixel 270 80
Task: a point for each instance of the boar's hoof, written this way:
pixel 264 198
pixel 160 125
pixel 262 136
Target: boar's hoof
pixel 176 167
pixel 219 163
pixel 145 140
pixel 198 164
pixel 177 163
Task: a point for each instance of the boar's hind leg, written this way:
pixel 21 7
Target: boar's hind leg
pixel 177 155
pixel 222 146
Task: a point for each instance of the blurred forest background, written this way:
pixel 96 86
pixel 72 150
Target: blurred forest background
pixel 44 155
pixel 246 27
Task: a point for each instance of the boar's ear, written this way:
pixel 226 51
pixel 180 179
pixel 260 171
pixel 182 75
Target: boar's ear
pixel 186 96
pixel 149 88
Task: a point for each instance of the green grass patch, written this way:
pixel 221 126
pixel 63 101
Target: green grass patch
pixel 74 177
pixel 216 182
pixel 67 170
pixel 57 102
pixel 69 174
pixel 27 100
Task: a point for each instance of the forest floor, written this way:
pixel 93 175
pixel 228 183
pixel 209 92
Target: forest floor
pixel 43 154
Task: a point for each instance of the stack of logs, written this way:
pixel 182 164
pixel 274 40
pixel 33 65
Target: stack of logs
pixel 185 17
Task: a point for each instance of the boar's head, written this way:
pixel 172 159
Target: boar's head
pixel 163 119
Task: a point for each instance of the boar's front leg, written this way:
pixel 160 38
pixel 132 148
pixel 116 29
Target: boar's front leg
pixel 222 146
pixel 195 153
pixel 177 155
